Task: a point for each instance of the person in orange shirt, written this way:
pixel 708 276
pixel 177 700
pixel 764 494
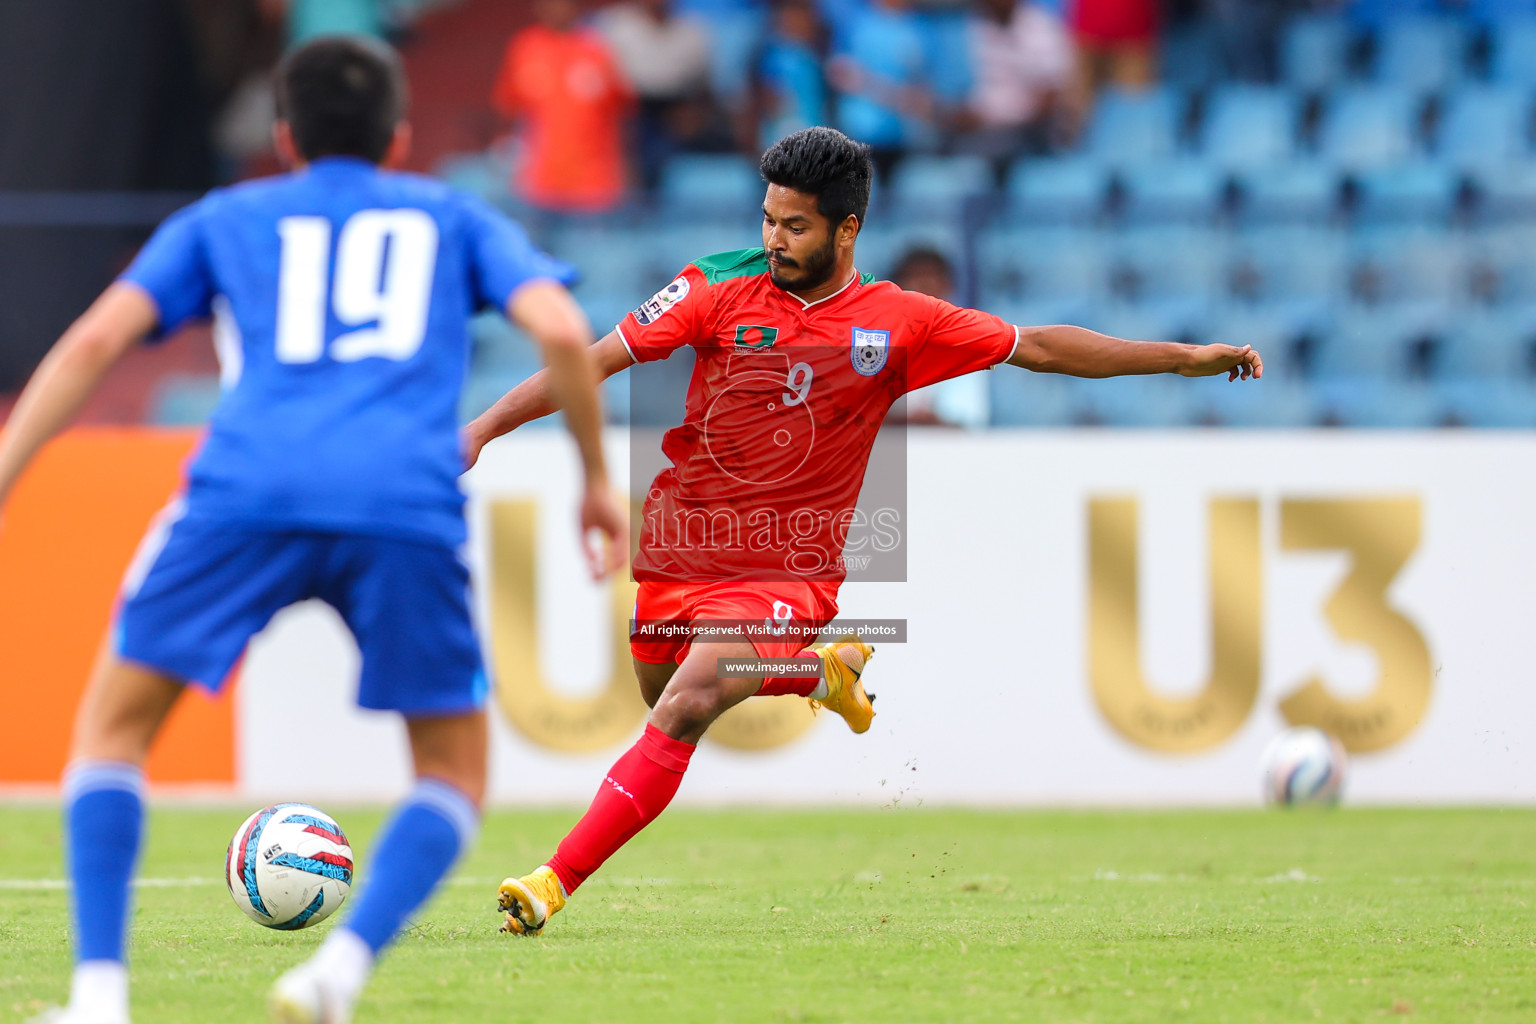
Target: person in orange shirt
pixel 562 86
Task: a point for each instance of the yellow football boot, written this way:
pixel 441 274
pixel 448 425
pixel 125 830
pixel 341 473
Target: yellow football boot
pixel 530 901
pixel 843 662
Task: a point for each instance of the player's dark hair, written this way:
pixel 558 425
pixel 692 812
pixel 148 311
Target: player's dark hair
pixel 827 164
pixel 342 96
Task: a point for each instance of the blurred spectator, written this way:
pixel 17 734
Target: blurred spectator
pixel 666 59
pixel 1022 96
pixel 1116 42
pixel 881 76
pixel 791 90
pixel 569 98
pixel 960 401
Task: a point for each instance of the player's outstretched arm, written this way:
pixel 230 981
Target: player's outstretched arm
pixel 547 312
pixel 1079 352
pixel 115 323
pixel 535 397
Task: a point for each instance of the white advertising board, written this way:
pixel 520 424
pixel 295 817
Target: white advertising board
pixel 1093 618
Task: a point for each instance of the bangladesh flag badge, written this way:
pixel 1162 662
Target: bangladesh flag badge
pixel 754 338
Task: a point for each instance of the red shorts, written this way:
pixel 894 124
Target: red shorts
pixel 797 609
pixel 1108 22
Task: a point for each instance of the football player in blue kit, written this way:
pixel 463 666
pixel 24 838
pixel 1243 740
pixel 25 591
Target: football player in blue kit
pixel 341 294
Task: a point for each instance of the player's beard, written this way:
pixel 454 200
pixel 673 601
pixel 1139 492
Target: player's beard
pixel 815 269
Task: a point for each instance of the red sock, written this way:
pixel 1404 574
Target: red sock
pixel 800 686
pixel 638 788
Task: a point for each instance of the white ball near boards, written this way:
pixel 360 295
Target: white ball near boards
pixel 1303 765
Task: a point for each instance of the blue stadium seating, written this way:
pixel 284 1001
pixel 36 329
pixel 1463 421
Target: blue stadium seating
pixel 1298 190
pixel 1379 341
pixel 887 238
pixel 1290 263
pixel 1406 264
pixel 1369 403
pixel 1483 126
pixel 1271 404
pixel 1506 190
pixel 1151 401
pixel 1020 398
pixel 1041 265
pixel 1497 343
pixel 936 185
pixel 1490 402
pixel 1368 126
pixel 1314 52
pixel 1249 126
pixel 1158 263
pixel 1172 190
pixel 1501 265
pixel 1423 54
pixel 946 38
pixel 1063 189
pixel 1379 13
pixel 1129 127
pixel 711 184
pixel 1415 191
pixel 1495 11
pixel 1513 57
pixel 735 35
pixel 1273 329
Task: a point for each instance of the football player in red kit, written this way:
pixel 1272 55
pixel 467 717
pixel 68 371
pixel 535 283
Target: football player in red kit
pixel 798 357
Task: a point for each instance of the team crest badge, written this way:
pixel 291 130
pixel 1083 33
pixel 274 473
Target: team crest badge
pixel 657 306
pixel 870 350
pixel 754 338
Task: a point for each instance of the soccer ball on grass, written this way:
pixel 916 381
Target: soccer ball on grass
pixel 289 866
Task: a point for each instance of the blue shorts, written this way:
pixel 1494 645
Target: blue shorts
pixel 189 607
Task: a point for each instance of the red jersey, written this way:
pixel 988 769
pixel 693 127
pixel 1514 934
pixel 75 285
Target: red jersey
pixel 783 409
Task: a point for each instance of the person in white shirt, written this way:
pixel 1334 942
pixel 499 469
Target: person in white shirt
pixel 1022 96
pixel 666 58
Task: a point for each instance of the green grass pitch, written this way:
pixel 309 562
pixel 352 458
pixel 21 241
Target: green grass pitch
pixel 895 915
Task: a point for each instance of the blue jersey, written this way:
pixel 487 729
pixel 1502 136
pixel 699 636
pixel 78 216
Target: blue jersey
pixel 341 296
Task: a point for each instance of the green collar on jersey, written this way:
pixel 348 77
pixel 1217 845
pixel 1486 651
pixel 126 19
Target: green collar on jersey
pixel 723 266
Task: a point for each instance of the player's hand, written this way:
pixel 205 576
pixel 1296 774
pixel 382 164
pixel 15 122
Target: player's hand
pixel 470 444
pixel 602 515
pixel 1209 360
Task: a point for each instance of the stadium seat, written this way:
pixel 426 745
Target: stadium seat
pixel 1505 190
pixel 937 185
pixel 184 400
pixel 486 175
pixel 1298 190
pixel 1249 126
pixel 1041 264
pixel 1296 264
pixel 1489 402
pixel 1414 191
pixel 1167 263
pixel 1020 398
pixel 1377 404
pixel 1494 11
pixel 711 184
pixel 1482 126
pixel 610 259
pixel 1064 190
pixel 1495 343
pixel 1501 264
pixel 1406 264
pixel 1314 52
pixel 1368 126
pixel 497 346
pixel 1272 405
pixel 1513 57
pixel 1422 53
pixel 1380 341
pixel 1156 401
pixel 1130 127
pixel 1172 190
pixel 1274 329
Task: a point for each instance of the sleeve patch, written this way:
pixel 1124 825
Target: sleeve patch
pixel 658 305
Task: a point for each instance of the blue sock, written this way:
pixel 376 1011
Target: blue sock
pixel 418 847
pixel 104 818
